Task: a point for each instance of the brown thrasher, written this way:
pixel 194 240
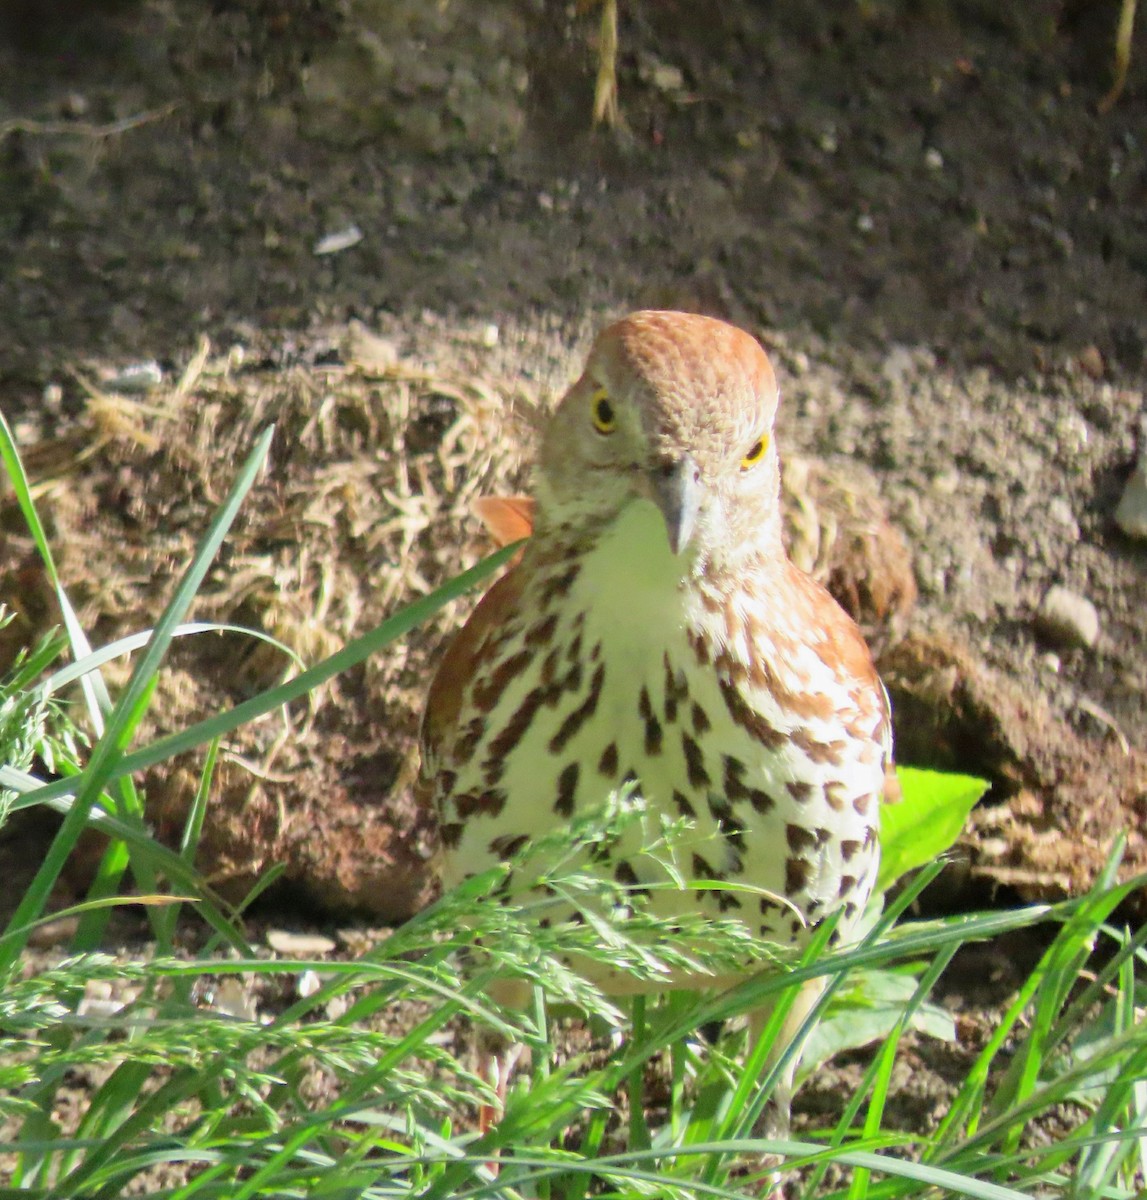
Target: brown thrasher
pixel 654 632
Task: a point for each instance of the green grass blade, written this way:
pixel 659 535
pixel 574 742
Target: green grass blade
pixel 108 751
pixel 223 723
pixel 126 645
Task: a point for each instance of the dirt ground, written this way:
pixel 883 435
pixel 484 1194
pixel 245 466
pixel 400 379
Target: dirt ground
pixel 393 223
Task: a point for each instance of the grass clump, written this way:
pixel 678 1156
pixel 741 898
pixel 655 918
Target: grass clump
pixel 350 1077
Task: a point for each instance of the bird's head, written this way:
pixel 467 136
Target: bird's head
pixel 674 409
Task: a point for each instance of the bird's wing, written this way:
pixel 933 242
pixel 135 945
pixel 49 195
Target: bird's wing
pixel 507 518
pixel 468 649
pixel 843 647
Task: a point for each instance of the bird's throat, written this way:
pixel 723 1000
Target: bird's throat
pixel 631 575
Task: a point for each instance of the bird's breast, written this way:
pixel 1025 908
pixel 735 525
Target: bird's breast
pixel 613 673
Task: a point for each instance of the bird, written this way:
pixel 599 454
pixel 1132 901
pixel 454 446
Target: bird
pixel 653 633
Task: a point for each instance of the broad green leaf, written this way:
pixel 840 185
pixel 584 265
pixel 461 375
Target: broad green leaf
pixel 926 822
pixel 866 1011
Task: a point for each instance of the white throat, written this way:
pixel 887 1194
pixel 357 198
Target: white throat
pixel 630 583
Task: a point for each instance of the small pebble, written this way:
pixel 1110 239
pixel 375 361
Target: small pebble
pixel 1068 619
pixel 53 933
pixel 135 378
pixel 299 945
pixel 369 350
pixel 1091 363
pixel 307 984
pixel 339 240
pixel 1131 514
pixel 233 998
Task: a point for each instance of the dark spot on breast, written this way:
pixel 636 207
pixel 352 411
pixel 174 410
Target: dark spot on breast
pixel 733 669
pixel 799 838
pixel 848 849
pixel 652 724
pixel 702 869
pixel 797 873
pixel 735 788
pixel 465 746
pixel 694 763
pixel 567 790
pixel 683 806
pixel 847 884
pixel 480 804
pixel 514 729
pixel 817 751
pixel 726 900
pixel 834 796
pixel 487 693
pixel 549 671
pixel 506 845
pixel 572 681
pixel 451 833
pixel 558 585
pixel 800 791
pixel 762 802
pixel 580 715
pixel 753 723
pixel 541 633
pixel 607 764
pixel 700 648
pixel 701 724
pixel 823 836
pixel 676 689
pixel 863 803
pixel 731 829
pixel 626 875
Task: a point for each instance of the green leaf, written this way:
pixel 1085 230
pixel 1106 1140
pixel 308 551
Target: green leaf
pixel 867 1010
pixel 926 822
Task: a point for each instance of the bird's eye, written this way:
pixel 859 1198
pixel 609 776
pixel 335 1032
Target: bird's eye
pixel 604 418
pixel 755 453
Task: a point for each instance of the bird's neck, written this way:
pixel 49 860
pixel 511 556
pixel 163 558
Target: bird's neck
pixel 626 570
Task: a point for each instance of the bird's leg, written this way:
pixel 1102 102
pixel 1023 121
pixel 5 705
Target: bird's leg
pixel 497 1059
pixel 497 1055
pixel 775 1121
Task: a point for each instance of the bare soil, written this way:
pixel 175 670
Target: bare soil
pixel 916 204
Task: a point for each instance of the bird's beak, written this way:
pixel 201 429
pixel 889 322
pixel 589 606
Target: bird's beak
pixel 676 490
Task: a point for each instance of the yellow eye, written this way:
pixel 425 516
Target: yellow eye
pixel 604 418
pixel 755 453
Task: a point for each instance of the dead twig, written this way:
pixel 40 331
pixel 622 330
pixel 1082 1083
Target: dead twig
pixel 82 128
pixel 1123 35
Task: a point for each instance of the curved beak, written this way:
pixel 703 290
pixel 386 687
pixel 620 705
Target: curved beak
pixel 676 490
